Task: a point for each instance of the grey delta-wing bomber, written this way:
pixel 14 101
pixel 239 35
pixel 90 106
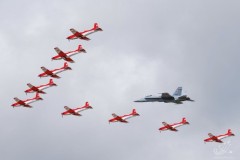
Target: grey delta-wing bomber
pixel 176 98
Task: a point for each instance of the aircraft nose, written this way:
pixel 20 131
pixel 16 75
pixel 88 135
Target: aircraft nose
pixel 140 100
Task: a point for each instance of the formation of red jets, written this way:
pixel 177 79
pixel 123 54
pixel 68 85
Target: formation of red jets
pixel 66 56
pixel 53 73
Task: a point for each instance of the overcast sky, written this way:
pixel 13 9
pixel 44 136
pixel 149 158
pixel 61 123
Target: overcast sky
pixel 146 47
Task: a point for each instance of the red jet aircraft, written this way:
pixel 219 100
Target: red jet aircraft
pixel 76 111
pixel 53 73
pixel 218 138
pixel 39 89
pixel 83 35
pixel 172 127
pixel 124 117
pixel 66 56
pixel 25 103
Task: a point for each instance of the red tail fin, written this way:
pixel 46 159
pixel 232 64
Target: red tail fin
pixel 66 66
pixel 134 112
pixel 37 96
pixel 51 82
pixel 96 27
pixel 184 121
pixel 229 132
pixel 87 105
pixel 80 48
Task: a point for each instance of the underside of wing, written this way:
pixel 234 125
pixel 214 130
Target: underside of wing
pixel 84 38
pixel 123 120
pixel 27 105
pixel 173 129
pixel 54 75
pixel 67 58
pixel 218 140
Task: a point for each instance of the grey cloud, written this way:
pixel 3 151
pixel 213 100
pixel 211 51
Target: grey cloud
pixel 146 47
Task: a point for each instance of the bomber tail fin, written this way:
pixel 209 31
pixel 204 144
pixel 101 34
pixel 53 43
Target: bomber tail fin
pixel 178 92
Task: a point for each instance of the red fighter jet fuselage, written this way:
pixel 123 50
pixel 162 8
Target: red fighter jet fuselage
pixel 219 137
pixel 76 111
pixel 83 35
pixel 123 118
pixel 53 73
pixel 66 56
pixel 39 89
pixel 172 127
pixel 25 103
